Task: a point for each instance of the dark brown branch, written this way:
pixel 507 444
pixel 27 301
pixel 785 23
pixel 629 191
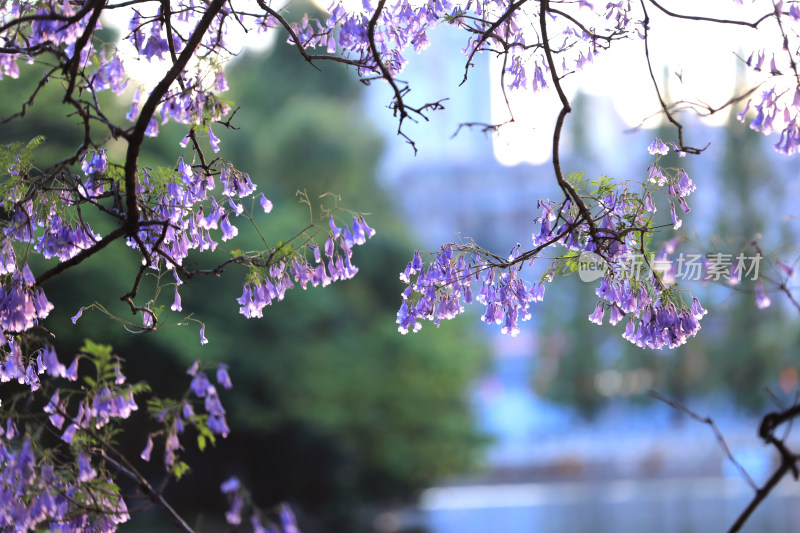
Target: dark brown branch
pixel 568 189
pixel 81 256
pixel 125 467
pixel 708 19
pixel 583 28
pixel 769 424
pixel 49 16
pixel 792 62
pixel 761 493
pixel 30 101
pixel 136 137
pixel 398 95
pixel 664 107
pixel 488 32
pixel 288 27
pixel 398 106
pixel 71 69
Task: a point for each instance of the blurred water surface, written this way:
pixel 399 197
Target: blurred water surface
pixel 686 505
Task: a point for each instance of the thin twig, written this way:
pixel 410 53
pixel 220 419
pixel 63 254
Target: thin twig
pixel 717 432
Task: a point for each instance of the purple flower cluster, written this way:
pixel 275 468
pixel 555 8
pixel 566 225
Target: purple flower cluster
pixel 36 493
pixel 189 102
pixel 491 26
pixel 105 405
pixel 618 229
pixel 179 213
pixel 22 304
pixel 331 264
pixel 777 111
pixel 440 290
pixel 189 211
pixel 238 497
pixel 51 26
pixel 202 388
pixel 660 325
pixel 177 416
pixel 14 367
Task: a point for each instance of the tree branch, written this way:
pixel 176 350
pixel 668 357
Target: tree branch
pixel 136 137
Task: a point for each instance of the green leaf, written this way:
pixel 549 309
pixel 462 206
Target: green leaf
pixel 180 469
pixel 101 352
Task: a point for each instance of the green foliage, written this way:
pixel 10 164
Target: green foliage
pixel 322 397
pixel 18 157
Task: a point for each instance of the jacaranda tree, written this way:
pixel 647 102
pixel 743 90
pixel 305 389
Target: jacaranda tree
pixel 61 468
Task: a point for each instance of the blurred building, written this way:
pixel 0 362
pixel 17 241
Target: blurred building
pixel 454 188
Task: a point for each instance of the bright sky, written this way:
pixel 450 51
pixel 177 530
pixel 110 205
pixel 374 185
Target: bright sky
pixel 148 73
pixel 691 60
pixel 692 56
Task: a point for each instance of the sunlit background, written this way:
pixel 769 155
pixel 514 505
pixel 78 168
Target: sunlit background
pixel 459 429
pixel 579 445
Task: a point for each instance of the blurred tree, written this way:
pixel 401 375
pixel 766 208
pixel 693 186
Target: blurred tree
pixel 738 355
pixel 339 409
pixel 748 350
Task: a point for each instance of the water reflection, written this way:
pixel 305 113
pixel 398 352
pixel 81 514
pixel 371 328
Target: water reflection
pixel 695 505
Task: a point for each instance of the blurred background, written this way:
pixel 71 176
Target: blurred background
pixel 455 429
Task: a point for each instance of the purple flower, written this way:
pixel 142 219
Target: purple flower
pixel 85 471
pixel 361 231
pixel 53 408
pixel 212 403
pixel 288 521
pixel 120 378
pixel 230 485
pixel 171 445
pixel 203 339
pixel 213 140
pixel 597 316
pixel 677 223
pixel 218 425
pixel 762 301
pixel 648 203
pixel 229 231
pixel 223 378
pixel 96 164
pixel 336 231
pixel 266 205
pixel 72 371
pixel 185 172
pixel 220 83
pixel 234 515
pixel 176 304
pixel 658 147
pixel 145 455
pixel 77 315
pixel 615 315
pixel 406 318
pixel 697 309
pixel 52 365
pixel 685 185
pixel 69 433
pixel 200 384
